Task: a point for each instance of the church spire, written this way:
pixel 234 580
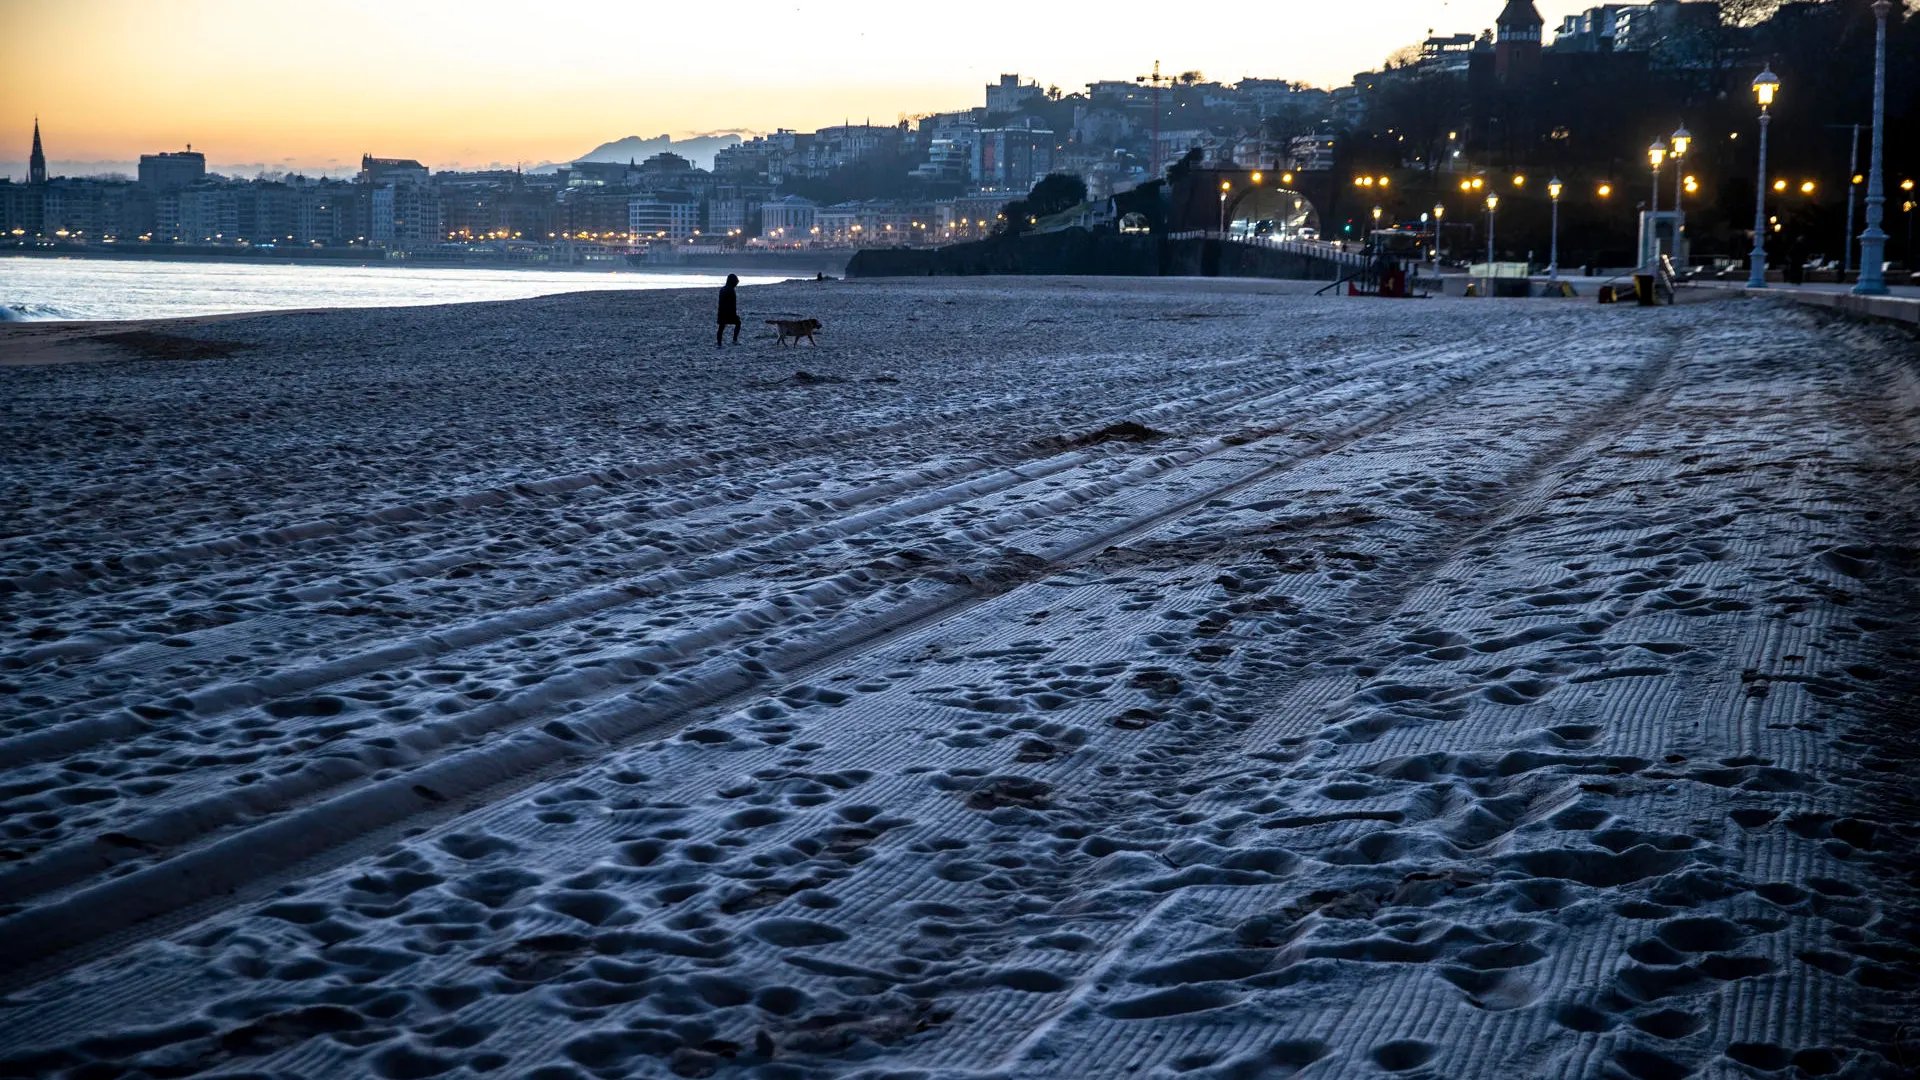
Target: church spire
pixel 37 164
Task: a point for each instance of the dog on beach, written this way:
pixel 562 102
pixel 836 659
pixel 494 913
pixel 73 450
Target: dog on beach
pixel 795 329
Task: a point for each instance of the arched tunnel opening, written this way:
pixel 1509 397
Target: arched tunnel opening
pixel 1276 213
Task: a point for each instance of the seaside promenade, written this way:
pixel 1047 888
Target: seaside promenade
pixel 1039 678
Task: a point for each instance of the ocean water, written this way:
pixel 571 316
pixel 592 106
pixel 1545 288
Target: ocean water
pixel 35 287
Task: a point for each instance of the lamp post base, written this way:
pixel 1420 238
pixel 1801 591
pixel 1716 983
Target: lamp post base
pixel 1873 256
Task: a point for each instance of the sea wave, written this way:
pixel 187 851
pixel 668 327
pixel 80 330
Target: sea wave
pixel 35 289
pixel 35 313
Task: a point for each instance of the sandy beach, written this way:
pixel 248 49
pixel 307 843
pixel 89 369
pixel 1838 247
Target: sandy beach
pixel 1039 678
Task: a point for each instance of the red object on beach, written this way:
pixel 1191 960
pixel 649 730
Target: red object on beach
pixel 1393 285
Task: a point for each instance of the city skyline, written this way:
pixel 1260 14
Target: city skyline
pixel 408 91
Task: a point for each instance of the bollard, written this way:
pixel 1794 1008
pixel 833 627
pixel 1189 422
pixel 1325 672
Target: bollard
pixel 1643 290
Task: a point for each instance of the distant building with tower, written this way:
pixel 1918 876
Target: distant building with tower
pixel 1526 94
pixel 37 161
pixel 1010 94
pixel 23 206
pixel 1516 42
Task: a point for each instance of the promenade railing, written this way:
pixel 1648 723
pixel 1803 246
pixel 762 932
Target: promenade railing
pixel 1316 249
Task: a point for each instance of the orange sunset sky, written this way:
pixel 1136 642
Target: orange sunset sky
pixel 313 84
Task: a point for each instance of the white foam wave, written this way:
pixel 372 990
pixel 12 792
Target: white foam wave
pixel 24 312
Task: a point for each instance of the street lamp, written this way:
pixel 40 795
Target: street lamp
pixel 1493 203
pixel 1906 186
pixel 1441 211
pixel 1764 86
pixel 1553 248
pixel 1681 138
pixel 1873 242
pixel 1656 153
pixel 1225 186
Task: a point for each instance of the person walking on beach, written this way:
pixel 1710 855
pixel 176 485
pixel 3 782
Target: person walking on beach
pixel 729 311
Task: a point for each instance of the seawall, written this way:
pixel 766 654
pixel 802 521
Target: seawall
pixel 1079 252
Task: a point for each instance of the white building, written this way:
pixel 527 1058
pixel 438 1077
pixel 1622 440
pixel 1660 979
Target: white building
pixel 404 215
pixel 788 220
pixel 877 223
pixel 1453 52
pixel 671 215
pixel 1311 153
pixel 838 225
pixel 1010 95
pixel 208 215
pixel 969 216
pixel 948 160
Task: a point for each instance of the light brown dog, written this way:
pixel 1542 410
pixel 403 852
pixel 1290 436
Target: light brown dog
pixel 796 329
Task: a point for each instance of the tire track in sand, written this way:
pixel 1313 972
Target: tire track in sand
pixel 50 738
pixel 199 881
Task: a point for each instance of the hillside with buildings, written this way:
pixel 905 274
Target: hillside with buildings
pixel 1439 121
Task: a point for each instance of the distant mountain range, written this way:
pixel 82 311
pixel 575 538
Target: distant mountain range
pixel 698 149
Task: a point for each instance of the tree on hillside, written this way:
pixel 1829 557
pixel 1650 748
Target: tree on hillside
pixel 1056 192
pixel 1053 193
pixel 1744 13
pixel 1422 107
pixel 1402 57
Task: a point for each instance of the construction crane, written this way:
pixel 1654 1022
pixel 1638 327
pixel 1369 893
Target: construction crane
pixel 1157 80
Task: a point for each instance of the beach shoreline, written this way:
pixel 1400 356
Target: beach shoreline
pixel 43 290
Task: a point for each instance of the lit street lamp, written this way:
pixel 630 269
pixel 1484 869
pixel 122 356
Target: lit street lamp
pixel 1441 211
pixel 1681 138
pixel 1873 242
pixel 1907 187
pixel 1553 248
pixel 1493 201
pixel 1764 85
pixel 1225 186
pixel 1656 153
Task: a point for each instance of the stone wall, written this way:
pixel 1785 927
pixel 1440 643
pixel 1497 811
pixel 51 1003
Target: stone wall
pixel 1079 252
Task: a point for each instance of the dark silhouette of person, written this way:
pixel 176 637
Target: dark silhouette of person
pixel 729 311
